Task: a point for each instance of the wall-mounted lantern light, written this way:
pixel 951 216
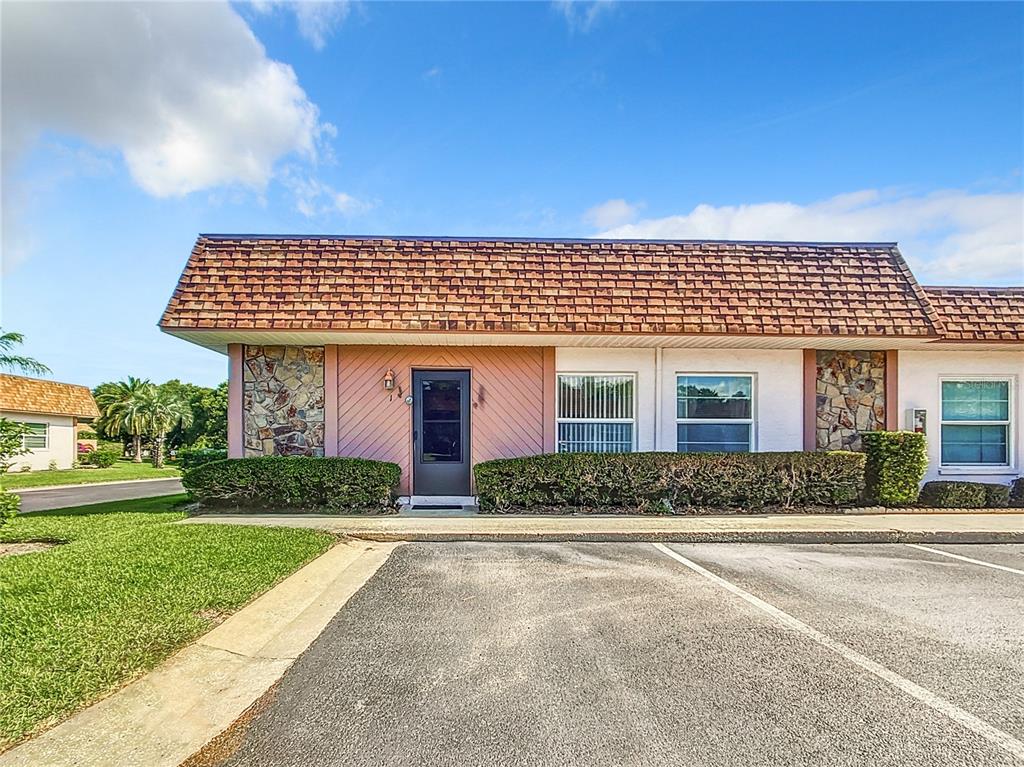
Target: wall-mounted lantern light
pixel 389 380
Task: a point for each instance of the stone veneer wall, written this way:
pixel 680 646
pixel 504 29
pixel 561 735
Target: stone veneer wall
pixel 283 400
pixel 850 397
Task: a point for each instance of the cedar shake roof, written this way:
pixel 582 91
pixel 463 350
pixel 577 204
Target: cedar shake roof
pixel 979 314
pixel 33 395
pixel 509 285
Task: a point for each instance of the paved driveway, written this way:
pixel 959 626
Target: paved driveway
pixel 641 654
pixel 79 495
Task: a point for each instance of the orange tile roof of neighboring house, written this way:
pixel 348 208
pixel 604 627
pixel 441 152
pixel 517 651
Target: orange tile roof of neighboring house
pixel 33 395
pixel 513 285
pixel 979 314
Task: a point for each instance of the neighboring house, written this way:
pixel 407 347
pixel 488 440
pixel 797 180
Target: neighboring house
pixel 438 353
pixel 51 410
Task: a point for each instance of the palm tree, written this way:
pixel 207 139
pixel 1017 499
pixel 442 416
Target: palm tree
pixel 161 410
pixel 120 410
pixel 15 362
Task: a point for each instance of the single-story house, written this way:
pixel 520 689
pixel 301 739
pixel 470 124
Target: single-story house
pixel 51 410
pixel 438 353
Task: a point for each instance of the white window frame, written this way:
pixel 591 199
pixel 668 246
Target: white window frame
pixel 595 374
pixel 751 422
pixel 1009 423
pixel 45 435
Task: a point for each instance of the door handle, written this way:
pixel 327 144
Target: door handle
pixel 415 435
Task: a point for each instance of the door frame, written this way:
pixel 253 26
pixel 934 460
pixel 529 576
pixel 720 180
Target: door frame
pixel 416 439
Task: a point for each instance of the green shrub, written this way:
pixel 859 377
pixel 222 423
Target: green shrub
pixel 190 458
pixel 88 435
pixel 9 504
pixel 335 484
pixel 102 457
pixel 668 482
pixel 896 462
pixel 953 495
pixel 996 496
pixel 1017 493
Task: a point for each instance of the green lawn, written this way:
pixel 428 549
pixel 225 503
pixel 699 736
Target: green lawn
pixel 120 471
pixel 80 619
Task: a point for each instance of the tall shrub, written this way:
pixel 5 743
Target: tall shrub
pixel 896 462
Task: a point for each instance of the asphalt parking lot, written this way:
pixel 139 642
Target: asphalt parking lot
pixel 642 654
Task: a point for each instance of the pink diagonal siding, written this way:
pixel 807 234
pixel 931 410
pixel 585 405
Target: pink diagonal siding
pixel 508 410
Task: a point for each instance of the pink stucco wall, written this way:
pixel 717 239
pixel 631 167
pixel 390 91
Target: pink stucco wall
pixel 512 400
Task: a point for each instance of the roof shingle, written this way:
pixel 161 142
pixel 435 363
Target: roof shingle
pixel 556 286
pixel 979 314
pixel 33 395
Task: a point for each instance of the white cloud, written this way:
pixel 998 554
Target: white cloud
pixel 313 198
pixel 316 19
pixel 611 213
pixel 581 15
pixel 949 236
pixel 183 91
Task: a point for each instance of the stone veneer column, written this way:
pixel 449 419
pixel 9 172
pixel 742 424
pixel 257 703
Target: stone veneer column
pixel 850 397
pixel 283 400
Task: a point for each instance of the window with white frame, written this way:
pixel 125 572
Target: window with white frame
pixel 714 413
pixel 975 423
pixel 37 436
pixel 596 413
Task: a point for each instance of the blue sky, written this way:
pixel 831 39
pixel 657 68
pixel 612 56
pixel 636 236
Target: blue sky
pixel 129 129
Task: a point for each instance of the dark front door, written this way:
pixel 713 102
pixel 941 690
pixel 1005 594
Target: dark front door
pixel 440 437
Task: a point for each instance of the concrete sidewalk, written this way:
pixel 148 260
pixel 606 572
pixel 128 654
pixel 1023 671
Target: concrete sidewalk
pixel 781 528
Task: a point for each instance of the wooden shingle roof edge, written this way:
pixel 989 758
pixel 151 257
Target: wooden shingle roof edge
pixel 550 285
pixel 979 314
pixel 21 394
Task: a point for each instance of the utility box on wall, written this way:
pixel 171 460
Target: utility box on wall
pixel 917 420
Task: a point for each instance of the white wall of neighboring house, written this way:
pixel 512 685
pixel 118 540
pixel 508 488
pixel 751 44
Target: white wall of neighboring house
pixel 778 387
pixel 62 444
pixel 920 376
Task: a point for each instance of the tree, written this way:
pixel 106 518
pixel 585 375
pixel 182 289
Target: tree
pixel 161 409
pixel 15 362
pixel 121 413
pixel 12 444
pixel 209 427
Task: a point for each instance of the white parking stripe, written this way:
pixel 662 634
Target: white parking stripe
pixel 965 559
pixel 997 737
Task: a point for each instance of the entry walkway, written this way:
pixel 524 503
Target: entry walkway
pixel 782 528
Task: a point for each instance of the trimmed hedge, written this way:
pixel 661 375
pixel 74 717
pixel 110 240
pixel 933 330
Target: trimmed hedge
pixel 896 462
pixel 668 483
pixel 996 496
pixel 296 482
pixel 1017 493
pixel 965 495
pixel 190 458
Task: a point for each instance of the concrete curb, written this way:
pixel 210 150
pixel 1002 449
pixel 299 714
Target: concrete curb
pixel 738 536
pixel 169 714
pixel 20 491
pixel 841 528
